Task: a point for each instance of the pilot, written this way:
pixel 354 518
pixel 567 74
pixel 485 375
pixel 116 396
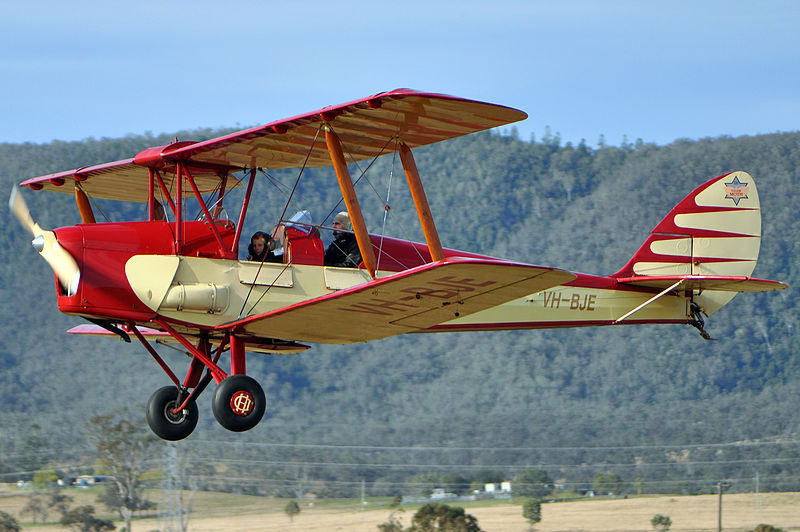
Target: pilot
pixel 259 248
pixel 343 251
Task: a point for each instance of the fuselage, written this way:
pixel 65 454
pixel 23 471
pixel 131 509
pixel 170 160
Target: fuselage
pixel 132 272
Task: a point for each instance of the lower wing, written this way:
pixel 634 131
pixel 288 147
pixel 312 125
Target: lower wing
pixel 409 301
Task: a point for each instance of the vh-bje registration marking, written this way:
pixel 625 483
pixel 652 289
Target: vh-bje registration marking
pixel 446 290
pixel 572 301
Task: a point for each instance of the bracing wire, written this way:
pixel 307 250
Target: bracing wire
pixel 282 216
pixel 386 204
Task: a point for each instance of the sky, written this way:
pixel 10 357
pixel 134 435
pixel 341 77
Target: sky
pixel 627 69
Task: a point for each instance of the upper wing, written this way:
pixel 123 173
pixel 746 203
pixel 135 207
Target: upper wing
pixel 366 128
pixel 125 180
pixel 409 301
pixel 725 283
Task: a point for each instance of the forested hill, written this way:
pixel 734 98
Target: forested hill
pixel 575 207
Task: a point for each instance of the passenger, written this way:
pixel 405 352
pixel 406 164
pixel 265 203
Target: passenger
pixel 343 251
pixel 259 248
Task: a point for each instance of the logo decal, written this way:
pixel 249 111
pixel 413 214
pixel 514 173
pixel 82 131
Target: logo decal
pixel 242 403
pixel 736 190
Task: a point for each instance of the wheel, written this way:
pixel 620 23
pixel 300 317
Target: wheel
pixel 239 403
pixel 166 424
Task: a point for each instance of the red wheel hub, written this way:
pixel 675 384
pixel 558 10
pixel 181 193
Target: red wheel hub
pixel 242 403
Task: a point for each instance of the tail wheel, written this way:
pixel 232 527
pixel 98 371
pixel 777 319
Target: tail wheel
pixel 165 423
pixel 239 403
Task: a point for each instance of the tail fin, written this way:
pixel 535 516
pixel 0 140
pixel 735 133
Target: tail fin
pixel 714 231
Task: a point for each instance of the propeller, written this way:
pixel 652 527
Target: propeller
pixel 63 264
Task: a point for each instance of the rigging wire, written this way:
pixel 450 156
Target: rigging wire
pixel 282 216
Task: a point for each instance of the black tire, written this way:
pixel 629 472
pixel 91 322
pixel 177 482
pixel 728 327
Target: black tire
pixel 163 422
pixel 239 403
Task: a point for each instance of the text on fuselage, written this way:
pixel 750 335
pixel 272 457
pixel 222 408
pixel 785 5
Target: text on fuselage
pixel 573 301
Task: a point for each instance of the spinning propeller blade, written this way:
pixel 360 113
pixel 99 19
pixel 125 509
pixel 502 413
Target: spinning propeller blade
pixel 63 264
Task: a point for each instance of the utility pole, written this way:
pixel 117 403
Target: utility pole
pixel 721 485
pixel 169 505
pixel 363 500
pixel 758 501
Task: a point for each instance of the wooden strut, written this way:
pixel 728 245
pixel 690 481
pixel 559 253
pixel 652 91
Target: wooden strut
pixel 350 200
pixel 84 207
pixel 421 203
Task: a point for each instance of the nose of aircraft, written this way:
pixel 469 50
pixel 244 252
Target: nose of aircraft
pixel 45 242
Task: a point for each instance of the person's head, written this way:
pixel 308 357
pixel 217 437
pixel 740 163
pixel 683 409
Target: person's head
pixel 258 243
pixel 341 222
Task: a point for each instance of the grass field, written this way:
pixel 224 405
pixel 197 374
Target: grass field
pixel 229 512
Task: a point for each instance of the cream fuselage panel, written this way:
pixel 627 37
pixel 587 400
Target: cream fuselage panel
pixel 575 305
pixel 212 292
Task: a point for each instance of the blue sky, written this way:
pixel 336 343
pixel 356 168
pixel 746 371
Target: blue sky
pixel 651 70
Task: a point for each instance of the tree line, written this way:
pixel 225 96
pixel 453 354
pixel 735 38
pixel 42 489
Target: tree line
pixel 568 206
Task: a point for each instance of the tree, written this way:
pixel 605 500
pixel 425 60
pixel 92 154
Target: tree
pixel 35 452
pixel 767 528
pixel 36 507
pixel 8 523
pixel 454 483
pixel 82 519
pixel 533 483
pixel 392 525
pixel 425 481
pixel 532 511
pixel 485 476
pixel 291 509
pixel 59 501
pixel 661 522
pixel 610 484
pixel 123 451
pixel 435 517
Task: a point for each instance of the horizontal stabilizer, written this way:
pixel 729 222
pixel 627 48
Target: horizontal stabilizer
pixel 724 283
pixel 409 301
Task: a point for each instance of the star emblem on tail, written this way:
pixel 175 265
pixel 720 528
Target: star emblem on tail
pixel 736 190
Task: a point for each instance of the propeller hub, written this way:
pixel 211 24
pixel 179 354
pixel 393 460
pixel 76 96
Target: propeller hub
pixel 38 243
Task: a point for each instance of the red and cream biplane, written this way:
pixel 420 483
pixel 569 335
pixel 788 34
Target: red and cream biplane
pixel 181 280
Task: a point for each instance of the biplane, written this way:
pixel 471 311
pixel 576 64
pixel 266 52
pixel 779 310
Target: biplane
pixel 181 280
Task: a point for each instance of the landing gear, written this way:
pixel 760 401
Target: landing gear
pixel 239 403
pixel 697 320
pixel 165 423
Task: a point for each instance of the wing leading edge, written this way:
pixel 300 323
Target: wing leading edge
pixel 409 301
